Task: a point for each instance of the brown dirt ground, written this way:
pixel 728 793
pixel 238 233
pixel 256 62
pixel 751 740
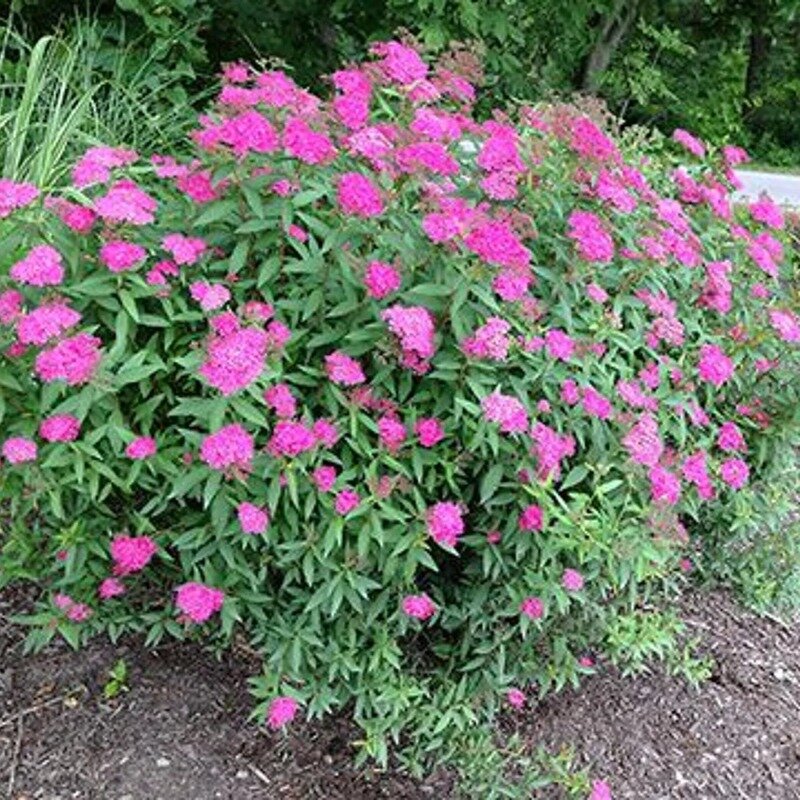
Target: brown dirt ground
pixel 182 731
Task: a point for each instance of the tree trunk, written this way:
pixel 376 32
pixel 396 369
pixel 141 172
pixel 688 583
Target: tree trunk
pixel 759 47
pixel 613 30
pixel 758 55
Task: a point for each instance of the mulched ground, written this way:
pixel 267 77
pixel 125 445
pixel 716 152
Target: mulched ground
pixel 182 733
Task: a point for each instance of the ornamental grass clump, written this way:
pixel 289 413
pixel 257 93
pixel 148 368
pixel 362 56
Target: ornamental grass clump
pixel 417 405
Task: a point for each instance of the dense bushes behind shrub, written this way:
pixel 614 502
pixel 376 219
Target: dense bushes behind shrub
pixel 427 410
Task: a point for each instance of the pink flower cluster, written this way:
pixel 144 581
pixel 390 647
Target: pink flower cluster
pixel 132 553
pixel 230 448
pixel 714 366
pixel 47 322
pixel 198 602
pixel 445 523
pixel 126 202
pixel 235 358
pixel 73 360
pixel 253 520
pixel 506 411
pixel 593 240
pixel 381 279
pixel 41 267
pixel 490 341
pixel 60 428
pixel 419 606
pixel 414 327
pixel 18 450
pixel 281 711
pixel 140 448
pixel 343 369
pixel 15 195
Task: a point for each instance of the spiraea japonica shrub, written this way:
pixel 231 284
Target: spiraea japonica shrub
pixel 424 408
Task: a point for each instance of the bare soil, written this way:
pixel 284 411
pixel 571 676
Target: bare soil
pixel 182 731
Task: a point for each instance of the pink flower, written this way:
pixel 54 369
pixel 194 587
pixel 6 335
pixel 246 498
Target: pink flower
pixel 248 132
pixel 119 256
pixel 495 242
pixel 419 606
pixel 346 501
pixel 41 267
pixel 235 359
pixel 400 63
pixel 600 791
pixel 570 393
pixel 489 341
pixel 381 279
pixel 414 327
pixel 325 432
pixel 506 411
pixel 296 232
pixel 198 602
pixel 445 523
pixel 79 612
pixel 97 162
pixel 46 322
pixel 664 486
pixel 211 296
pixel 60 428
pixel 290 439
pixel 252 518
pixel 126 202
pixel 593 241
pixel 532 607
pixel 690 143
pixel 73 360
pixel 429 431
pixel 643 441
pixel 131 553
pixel 550 449
pixel 734 472
pixel 63 601
pixel 764 210
pixel 596 293
pixel 392 433
pixel 110 587
pixel 324 477
pixel 730 437
pixel 516 698
pixel 559 345
pixel 184 250
pixel 10 306
pixel 714 367
pixel 531 518
pixel 281 400
pixel 343 369
pixel 786 324
pixel 590 142
pixel 734 155
pixel 595 405
pixel 695 471
pixel 231 447
pixel 281 711
pixel 572 580
pixel 18 450
pixel 357 195
pixel 140 448
pixel 15 195
pixel 306 144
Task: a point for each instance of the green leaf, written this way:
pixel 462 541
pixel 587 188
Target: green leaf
pixel 490 482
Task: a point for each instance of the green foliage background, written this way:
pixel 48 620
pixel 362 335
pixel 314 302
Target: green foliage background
pixel 728 70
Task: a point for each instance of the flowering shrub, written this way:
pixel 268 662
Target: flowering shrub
pixel 420 406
